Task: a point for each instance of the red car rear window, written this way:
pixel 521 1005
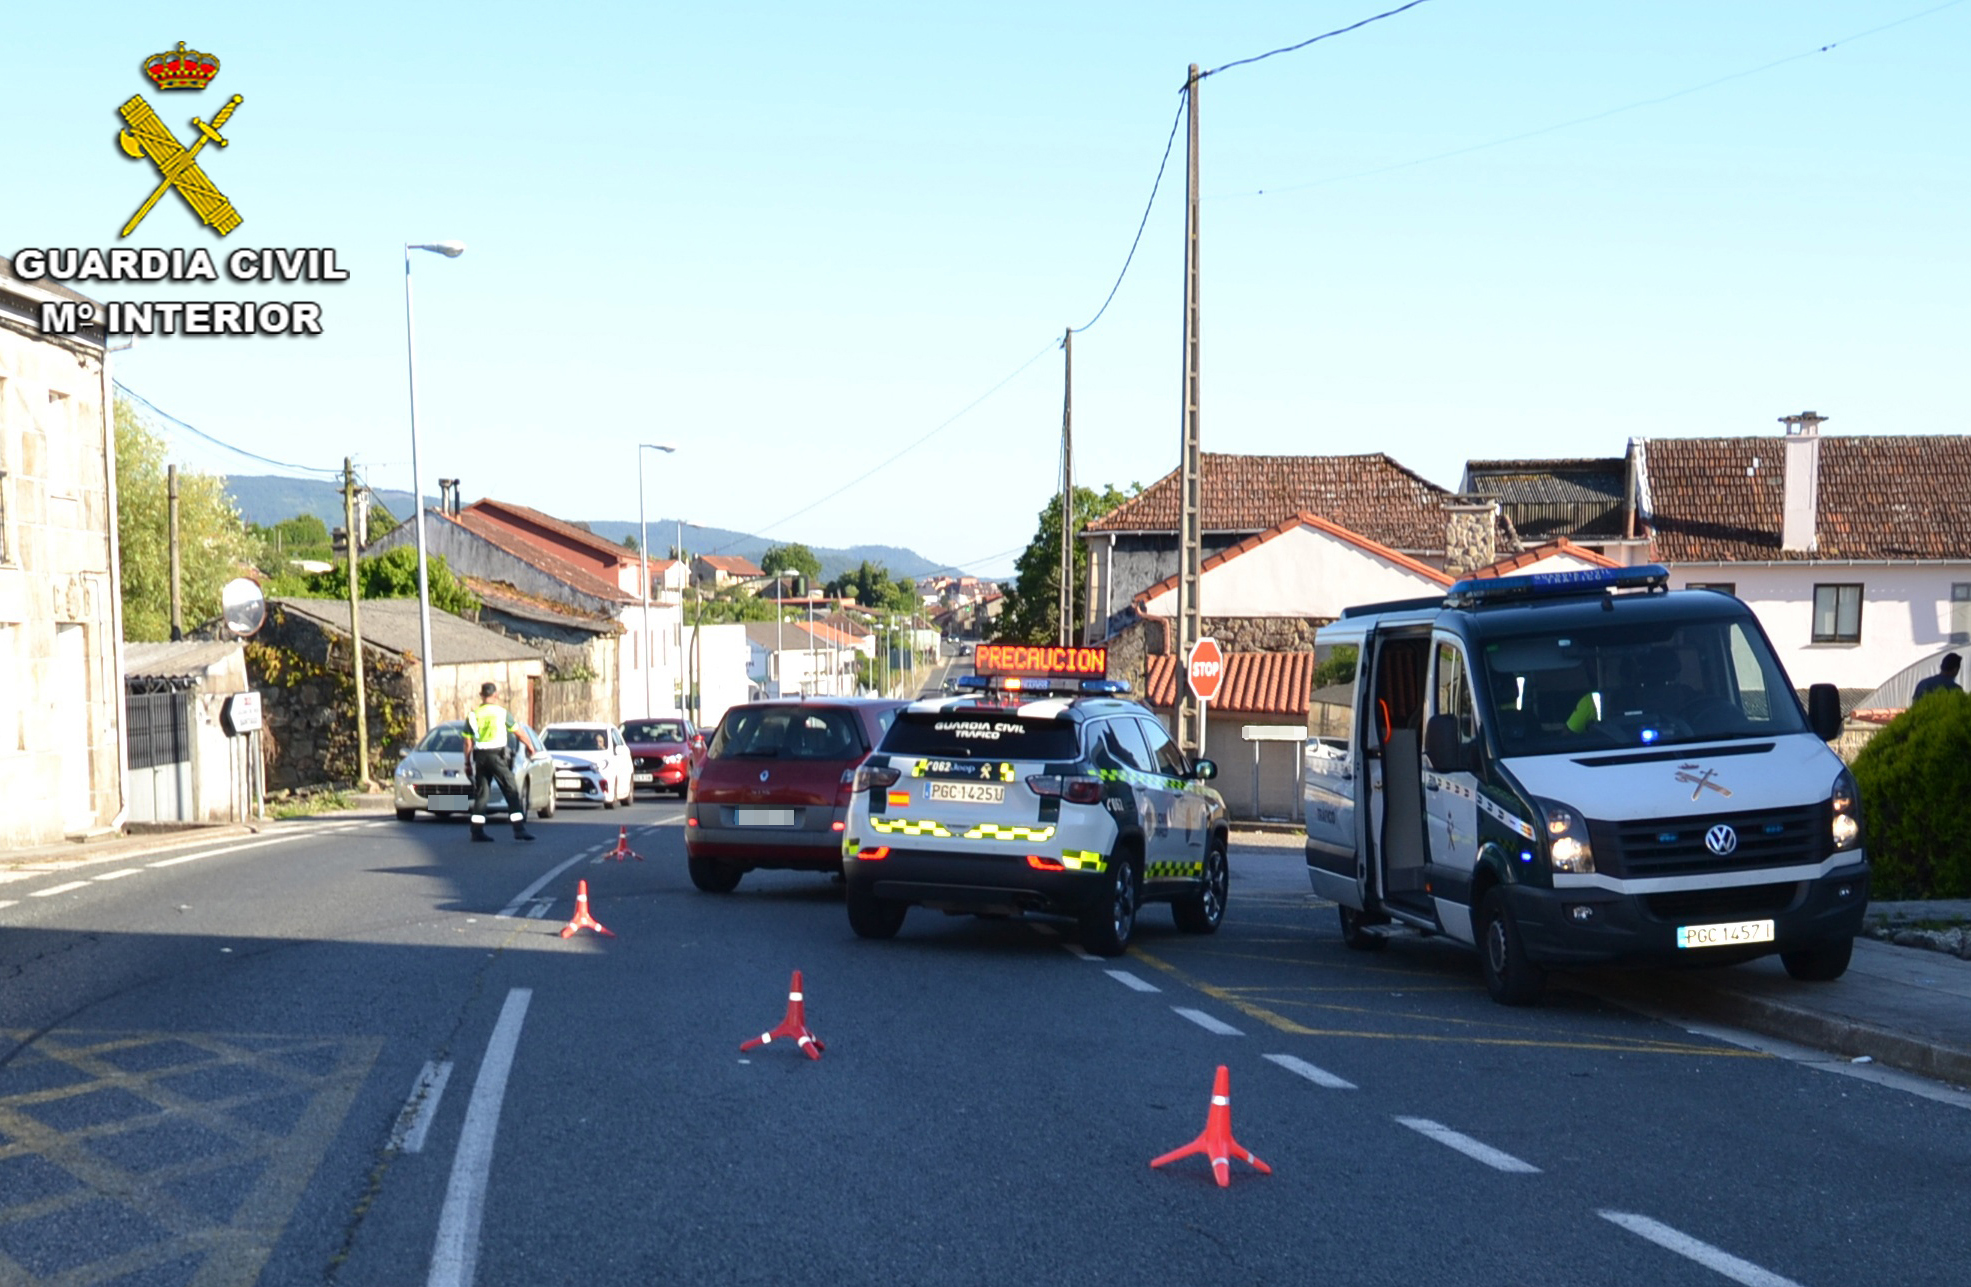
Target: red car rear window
pixel 787 733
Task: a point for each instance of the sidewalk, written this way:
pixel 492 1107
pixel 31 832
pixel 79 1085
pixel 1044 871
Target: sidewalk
pixel 73 853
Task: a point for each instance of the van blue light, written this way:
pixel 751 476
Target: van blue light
pixel 1477 591
pixel 1039 684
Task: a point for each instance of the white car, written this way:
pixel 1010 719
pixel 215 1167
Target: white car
pixel 591 762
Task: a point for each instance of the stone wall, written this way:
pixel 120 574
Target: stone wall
pixel 1471 536
pixel 308 703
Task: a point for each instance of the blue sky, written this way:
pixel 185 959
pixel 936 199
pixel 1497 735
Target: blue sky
pixel 796 240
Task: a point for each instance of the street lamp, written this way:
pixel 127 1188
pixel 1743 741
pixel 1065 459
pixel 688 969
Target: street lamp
pixel 643 551
pixel 450 250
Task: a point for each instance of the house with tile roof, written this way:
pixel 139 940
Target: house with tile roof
pixel 1590 502
pixel 724 571
pixel 1134 546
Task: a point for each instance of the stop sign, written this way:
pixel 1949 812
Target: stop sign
pixel 1205 669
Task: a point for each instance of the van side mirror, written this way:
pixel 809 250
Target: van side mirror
pixel 1445 749
pixel 1204 770
pixel 1824 711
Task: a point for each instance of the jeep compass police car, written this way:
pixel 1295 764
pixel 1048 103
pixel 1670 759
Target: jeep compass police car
pixel 1034 795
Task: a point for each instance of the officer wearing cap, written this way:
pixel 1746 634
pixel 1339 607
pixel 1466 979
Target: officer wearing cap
pixel 487 728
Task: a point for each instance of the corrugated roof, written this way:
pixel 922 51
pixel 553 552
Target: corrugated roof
pixel 1719 500
pixel 393 624
pixel 186 659
pixel 1255 683
pixel 517 603
pixel 567 531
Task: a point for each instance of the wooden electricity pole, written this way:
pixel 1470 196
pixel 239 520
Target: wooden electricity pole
pixel 350 545
pixel 1067 492
pixel 171 523
pixel 1190 534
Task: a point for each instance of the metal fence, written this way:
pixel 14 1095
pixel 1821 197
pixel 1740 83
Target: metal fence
pixel 160 728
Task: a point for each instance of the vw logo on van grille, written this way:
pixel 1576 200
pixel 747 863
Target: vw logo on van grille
pixel 1721 840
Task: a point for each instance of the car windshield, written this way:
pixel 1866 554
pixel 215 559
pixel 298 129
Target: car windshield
pixel 786 733
pixel 654 730
pixel 574 739
pixel 981 732
pixel 446 737
pixel 1636 685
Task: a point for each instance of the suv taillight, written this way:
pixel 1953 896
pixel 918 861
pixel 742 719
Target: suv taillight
pixel 867 778
pixel 1073 790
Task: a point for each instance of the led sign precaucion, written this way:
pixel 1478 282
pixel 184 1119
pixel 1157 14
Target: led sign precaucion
pixel 1036 659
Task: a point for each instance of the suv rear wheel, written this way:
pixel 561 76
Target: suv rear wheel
pixel 1202 912
pixel 1106 928
pixel 713 876
pixel 873 917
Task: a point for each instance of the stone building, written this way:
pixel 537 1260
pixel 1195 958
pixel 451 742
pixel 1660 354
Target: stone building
pixel 61 625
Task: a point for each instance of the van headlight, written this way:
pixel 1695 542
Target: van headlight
pixel 1567 837
pixel 1846 799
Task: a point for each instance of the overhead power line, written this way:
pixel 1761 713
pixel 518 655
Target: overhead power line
pixel 1143 223
pixel 1311 40
pixel 197 432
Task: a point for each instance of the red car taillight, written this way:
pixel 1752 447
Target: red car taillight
pixel 882 778
pixel 1073 790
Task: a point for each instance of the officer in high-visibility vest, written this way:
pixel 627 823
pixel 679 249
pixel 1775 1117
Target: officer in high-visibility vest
pixel 487 728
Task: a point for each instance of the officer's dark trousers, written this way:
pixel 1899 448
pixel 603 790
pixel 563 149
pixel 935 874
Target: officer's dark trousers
pixel 489 767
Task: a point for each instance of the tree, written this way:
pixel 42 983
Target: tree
pixel 393 575
pixel 870 585
pixel 793 557
pixel 213 544
pixel 1033 607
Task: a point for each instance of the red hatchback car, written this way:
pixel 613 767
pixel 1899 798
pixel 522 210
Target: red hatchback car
pixel 774 788
pixel 665 751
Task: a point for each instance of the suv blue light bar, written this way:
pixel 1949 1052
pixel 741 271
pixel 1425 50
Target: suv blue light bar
pixel 1040 684
pixel 1474 592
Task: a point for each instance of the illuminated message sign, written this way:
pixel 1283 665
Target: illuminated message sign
pixel 1039 659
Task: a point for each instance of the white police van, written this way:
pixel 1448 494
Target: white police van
pixel 1585 767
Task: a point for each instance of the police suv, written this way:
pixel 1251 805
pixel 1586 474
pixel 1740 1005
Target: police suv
pixel 1581 767
pixel 1034 794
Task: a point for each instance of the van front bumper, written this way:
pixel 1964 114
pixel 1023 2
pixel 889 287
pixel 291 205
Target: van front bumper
pixel 1617 926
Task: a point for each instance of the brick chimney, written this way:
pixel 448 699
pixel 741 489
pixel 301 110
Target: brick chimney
pixel 1801 506
pixel 1471 535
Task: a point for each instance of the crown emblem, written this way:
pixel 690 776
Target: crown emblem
pixel 184 69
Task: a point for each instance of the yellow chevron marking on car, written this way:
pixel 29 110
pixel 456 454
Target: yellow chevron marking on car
pixel 1172 870
pixel 1084 860
pixel 993 831
pixel 907 827
pixel 1006 773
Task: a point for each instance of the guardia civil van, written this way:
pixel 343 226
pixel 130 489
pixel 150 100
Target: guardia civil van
pixel 1571 768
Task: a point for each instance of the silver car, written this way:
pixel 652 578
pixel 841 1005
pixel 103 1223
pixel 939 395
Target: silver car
pixel 432 776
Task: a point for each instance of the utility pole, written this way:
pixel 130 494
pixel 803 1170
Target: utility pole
pixel 1067 490
pixel 1190 522
pixel 171 508
pixel 351 544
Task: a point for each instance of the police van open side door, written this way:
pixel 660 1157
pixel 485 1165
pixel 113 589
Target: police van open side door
pixel 1453 753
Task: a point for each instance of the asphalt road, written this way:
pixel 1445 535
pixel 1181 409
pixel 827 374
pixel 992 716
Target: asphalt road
pixel 209 1074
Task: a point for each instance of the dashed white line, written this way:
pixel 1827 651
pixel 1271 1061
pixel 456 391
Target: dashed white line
pixel 118 874
pixel 1077 949
pixel 1131 982
pixel 538 885
pixel 229 849
pixel 1470 1147
pixel 1722 1262
pixel 421 1106
pixel 1208 1022
pixel 1319 1076
pixel 8 902
pixel 52 890
pixel 538 908
pixel 454 1255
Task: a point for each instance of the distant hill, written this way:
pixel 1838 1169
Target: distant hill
pixel 266 499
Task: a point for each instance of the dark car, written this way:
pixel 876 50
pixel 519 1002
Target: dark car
pixel 666 751
pixel 775 784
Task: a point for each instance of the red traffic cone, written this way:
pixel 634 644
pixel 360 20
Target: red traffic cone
pixel 622 849
pixel 582 918
pixel 795 1025
pixel 1216 1143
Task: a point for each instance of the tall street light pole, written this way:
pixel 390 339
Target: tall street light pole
pixel 643 552
pixel 450 250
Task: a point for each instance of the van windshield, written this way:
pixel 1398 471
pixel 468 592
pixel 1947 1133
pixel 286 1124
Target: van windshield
pixel 1632 684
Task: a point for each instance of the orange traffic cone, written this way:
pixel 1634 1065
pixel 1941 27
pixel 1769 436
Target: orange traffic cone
pixel 1216 1143
pixel 622 849
pixel 582 918
pixel 795 1025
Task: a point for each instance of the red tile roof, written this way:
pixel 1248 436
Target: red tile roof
pixel 562 530
pixel 1372 495
pixel 1255 683
pixel 1887 497
pixel 1508 566
pixel 535 555
pixel 1287 525
pixel 732 564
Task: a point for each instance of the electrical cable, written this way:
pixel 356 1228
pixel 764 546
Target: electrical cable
pixel 1311 40
pixel 194 430
pixel 1141 224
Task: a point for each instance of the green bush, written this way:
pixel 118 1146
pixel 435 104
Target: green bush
pixel 1915 778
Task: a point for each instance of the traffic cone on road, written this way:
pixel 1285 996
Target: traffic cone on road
pixel 1216 1143
pixel 582 919
pixel 622 849
pixel 795 1025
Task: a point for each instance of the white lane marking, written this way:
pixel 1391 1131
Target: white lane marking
pixel 538 908
pixel 1208 1023
pixel 1723 1262
pixel 9 877
pixel 118 875
pixel 1080 951
pixel 420 1107
pixel 230 849
pixel 1319 1076
pixel 8 902
pixel 537 886
pixel 1892 1079
pixel 1470 1147
pixel 1131 982
pixel 456 1251
pixel 52 890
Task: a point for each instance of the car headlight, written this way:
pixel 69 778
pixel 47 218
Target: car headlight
pixel 408 773
pixel 1567 837
pixel 1846 798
